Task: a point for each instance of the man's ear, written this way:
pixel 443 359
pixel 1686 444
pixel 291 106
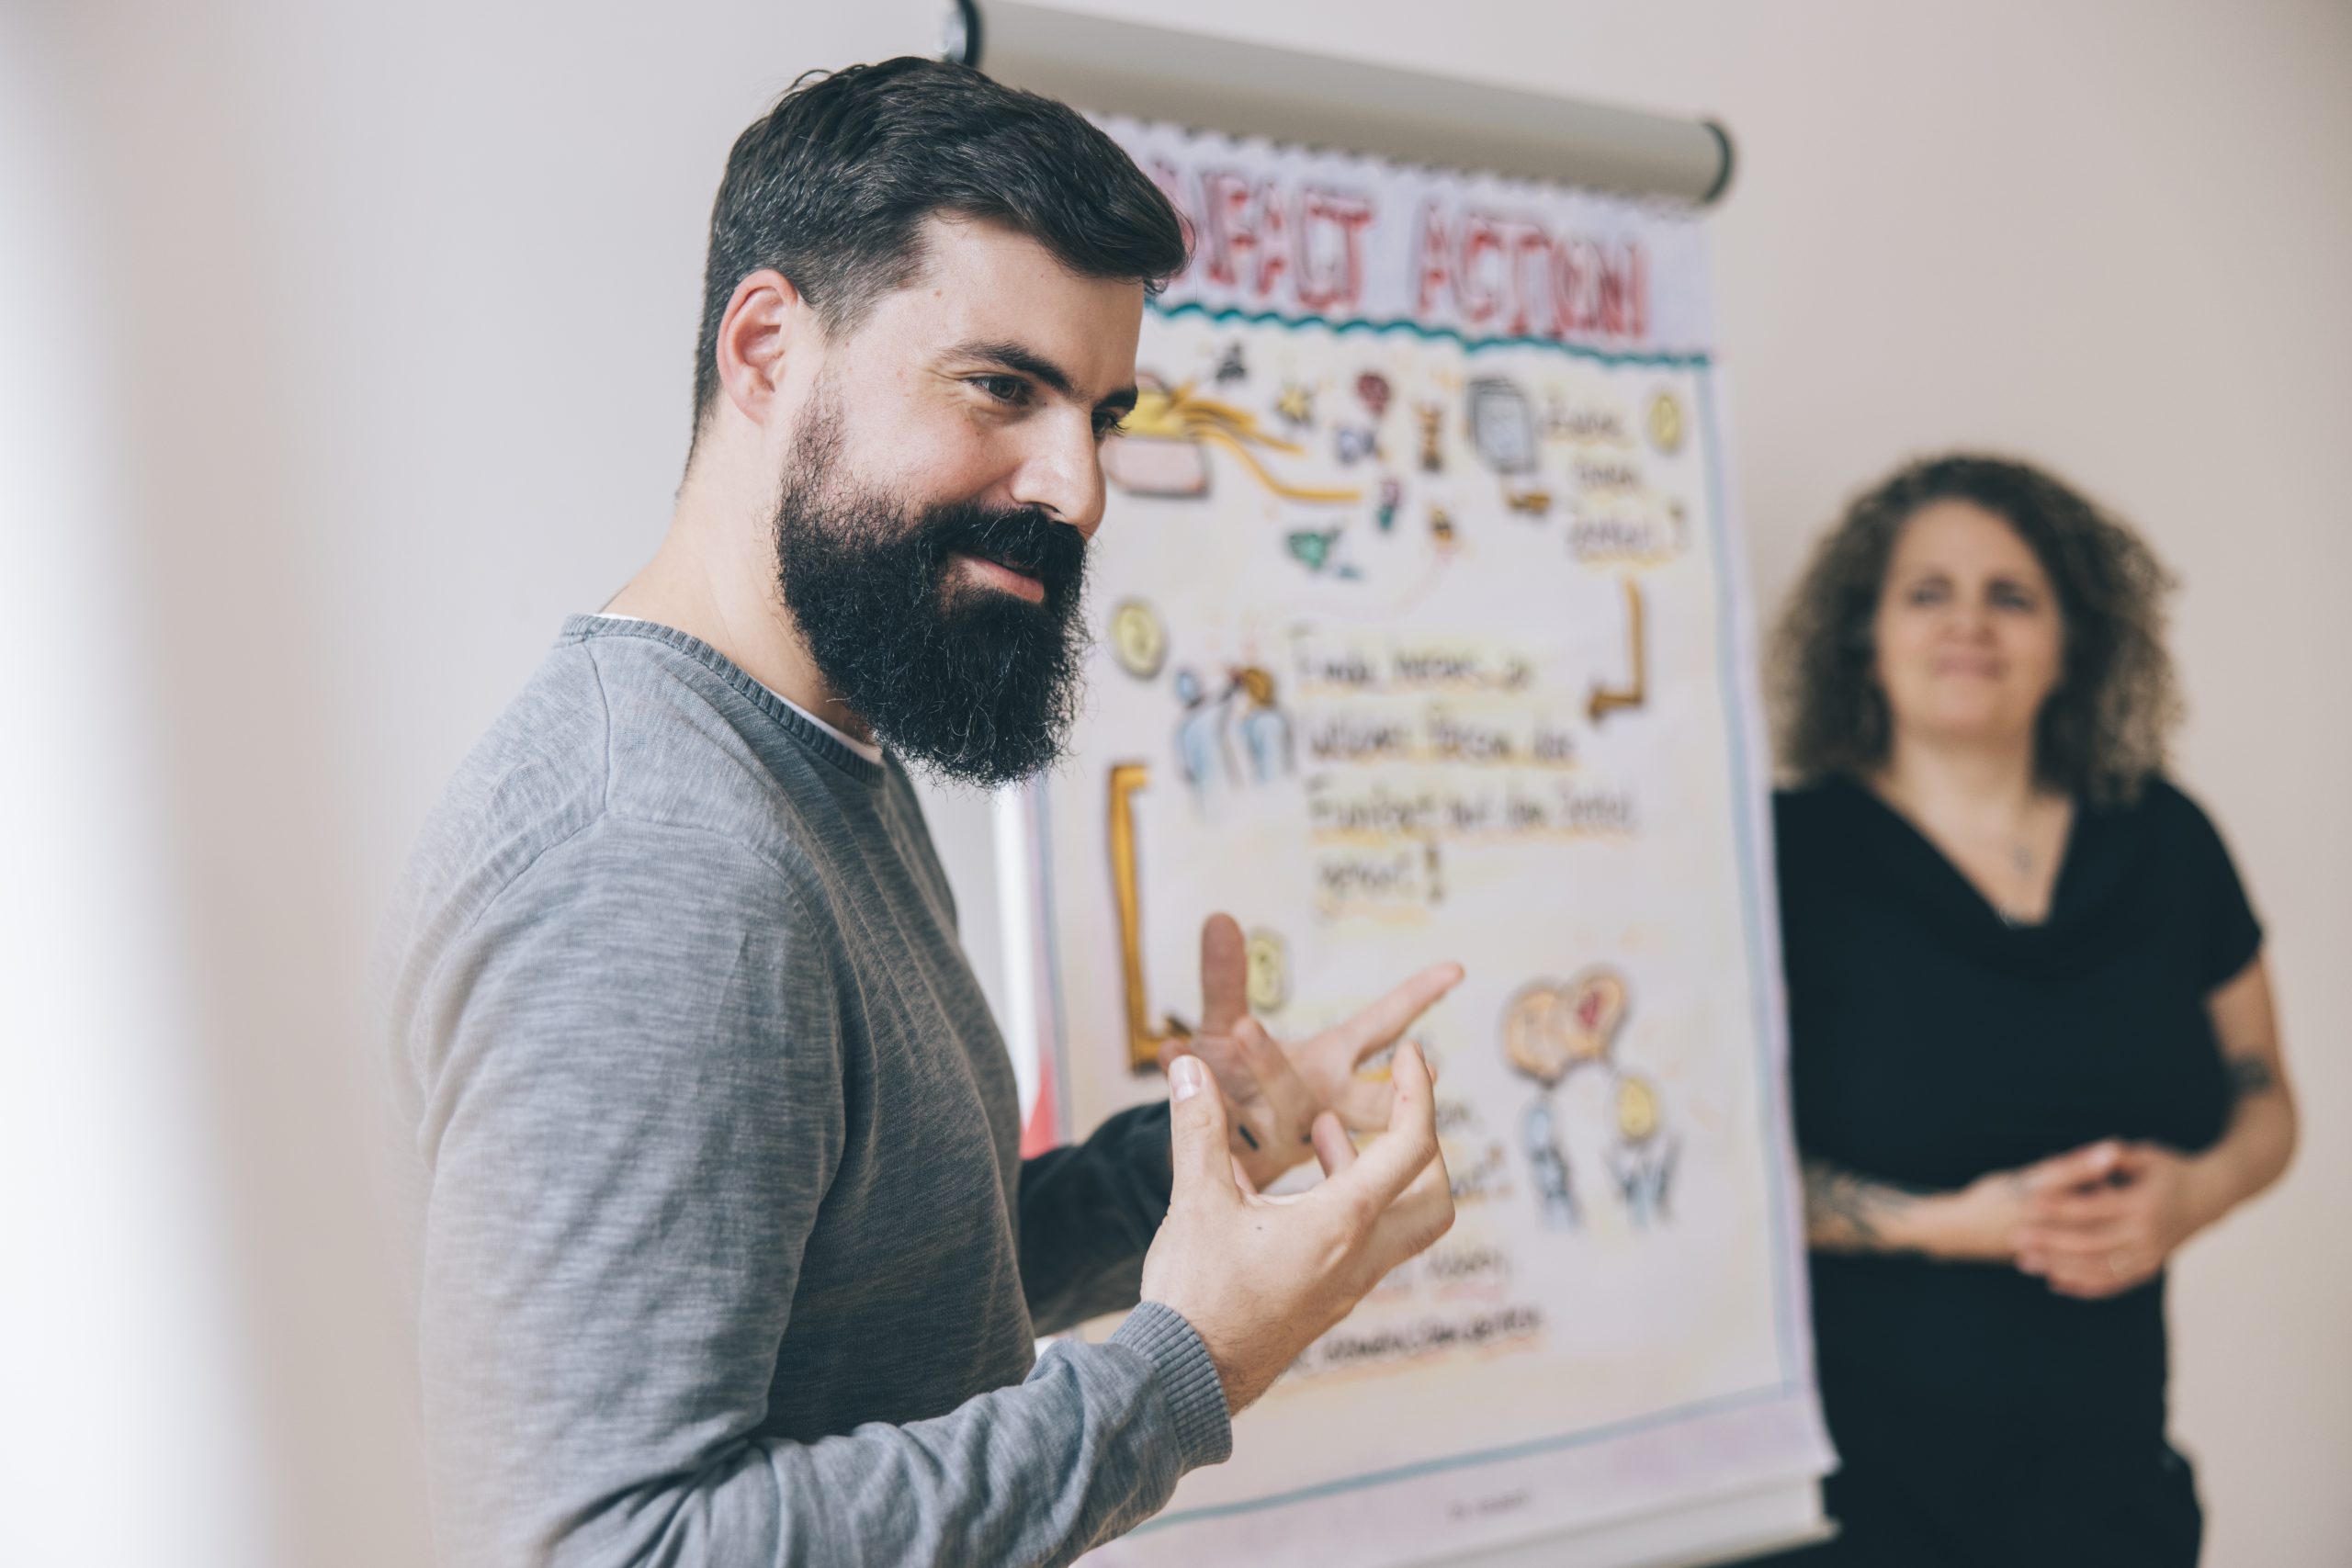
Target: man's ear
pixel 766 318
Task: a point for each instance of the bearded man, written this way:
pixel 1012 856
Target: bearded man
pixel 724 1249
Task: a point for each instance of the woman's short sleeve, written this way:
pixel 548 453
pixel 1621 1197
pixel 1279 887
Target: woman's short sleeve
pixel 2229 933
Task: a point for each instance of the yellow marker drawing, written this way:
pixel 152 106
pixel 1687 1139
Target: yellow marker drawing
pixel 1268 960
pixel 1637 1110
pixel 1181 414
pixel 1608 699
pixel 1666 424
pixel 1138 640
pixel 1142 1041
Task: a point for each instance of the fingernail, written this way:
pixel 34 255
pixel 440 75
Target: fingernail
pixel 1184 1078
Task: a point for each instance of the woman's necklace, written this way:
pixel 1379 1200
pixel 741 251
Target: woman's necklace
pixel 2007 904
pixel 2020 861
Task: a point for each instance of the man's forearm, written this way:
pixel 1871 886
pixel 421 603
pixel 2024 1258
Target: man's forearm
pixel 1097 1437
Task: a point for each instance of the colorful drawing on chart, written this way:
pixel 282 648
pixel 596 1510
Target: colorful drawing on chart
pixel 1138 638
pixel 1595 1006
pixel 1161 449
pixel 1547 1166
pixel 1606 700
pixel 1502 425
pixel 1318 549
pixel 1145 1038
pixel 1231 366
pixel 1637 1110
pixel 1391 495
pixel 1442 530
pixel 1665 424
pixel 1265 728
pixel 1204 750
pixel 1296 404
pixel 1551 1031
pixel 1268 959
pixel 1641 1161
pixel 1236 735
pixel 1145 464
pixel 1536 504
pixel 1353 443
pixel 1373 391
pixel 1431 418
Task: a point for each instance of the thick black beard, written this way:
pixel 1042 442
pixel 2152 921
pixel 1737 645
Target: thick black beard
pixel 968 683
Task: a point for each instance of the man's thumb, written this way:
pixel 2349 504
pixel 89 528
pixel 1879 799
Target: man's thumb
pixel 1198 1157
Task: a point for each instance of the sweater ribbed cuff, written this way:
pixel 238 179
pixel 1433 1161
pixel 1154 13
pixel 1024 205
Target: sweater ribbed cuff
pixel 1188 1376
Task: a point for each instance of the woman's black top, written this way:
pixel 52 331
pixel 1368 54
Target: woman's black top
pixel 1931 1042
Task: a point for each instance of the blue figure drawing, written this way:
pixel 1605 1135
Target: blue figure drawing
pixel 1643 1177
pixel 1549 1164
pixel 1204 755
pixel 1265 728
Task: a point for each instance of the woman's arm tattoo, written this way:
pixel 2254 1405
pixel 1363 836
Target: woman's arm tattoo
pixel 1846 1211
pixel 2249 1075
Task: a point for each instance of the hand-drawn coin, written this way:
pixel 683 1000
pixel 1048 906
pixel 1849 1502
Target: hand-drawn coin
pixel 1269 971
pixel 1139 641
pixel 1666 424
pixel 1637 1110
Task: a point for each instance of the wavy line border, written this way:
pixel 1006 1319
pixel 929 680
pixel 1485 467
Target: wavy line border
pixel 1228 315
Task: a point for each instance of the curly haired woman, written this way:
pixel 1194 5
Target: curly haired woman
pixel 2032 1043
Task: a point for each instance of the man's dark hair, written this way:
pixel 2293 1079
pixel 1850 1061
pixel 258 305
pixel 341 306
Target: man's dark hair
pixel 832 187
pixel 2101 733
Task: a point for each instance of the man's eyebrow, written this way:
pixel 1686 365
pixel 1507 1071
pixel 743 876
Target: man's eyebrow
pixel 1037 368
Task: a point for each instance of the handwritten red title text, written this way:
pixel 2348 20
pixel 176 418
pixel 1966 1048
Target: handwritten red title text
pixel 1278 244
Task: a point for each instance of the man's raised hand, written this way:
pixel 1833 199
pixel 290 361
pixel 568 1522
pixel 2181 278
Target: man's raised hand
pixel 1260 1278
pixel 1273 1092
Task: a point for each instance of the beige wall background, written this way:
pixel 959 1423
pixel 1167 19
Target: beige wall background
pixel 389 314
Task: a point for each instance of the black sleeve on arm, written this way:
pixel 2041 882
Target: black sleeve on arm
pixel 2229 935
pixel 1088 1212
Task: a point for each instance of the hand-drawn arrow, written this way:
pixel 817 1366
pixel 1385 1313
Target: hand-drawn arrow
pixel 1608 699
pixel 1142 1041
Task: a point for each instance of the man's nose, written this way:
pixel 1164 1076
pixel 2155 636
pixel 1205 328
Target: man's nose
pixel 1061 475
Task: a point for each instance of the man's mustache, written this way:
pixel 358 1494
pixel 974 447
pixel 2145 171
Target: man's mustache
pixel 1023 538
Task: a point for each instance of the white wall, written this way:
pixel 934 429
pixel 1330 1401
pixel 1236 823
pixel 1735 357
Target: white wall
pixel 399 303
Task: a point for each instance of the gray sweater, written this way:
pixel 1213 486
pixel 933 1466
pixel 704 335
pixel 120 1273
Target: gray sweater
pixel 724 1248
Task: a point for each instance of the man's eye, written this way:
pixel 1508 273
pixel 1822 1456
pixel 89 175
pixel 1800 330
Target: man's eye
pixel 1004 389
pixel 1106 425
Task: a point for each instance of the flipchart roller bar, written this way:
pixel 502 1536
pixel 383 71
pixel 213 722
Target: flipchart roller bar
pixel 1289 96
